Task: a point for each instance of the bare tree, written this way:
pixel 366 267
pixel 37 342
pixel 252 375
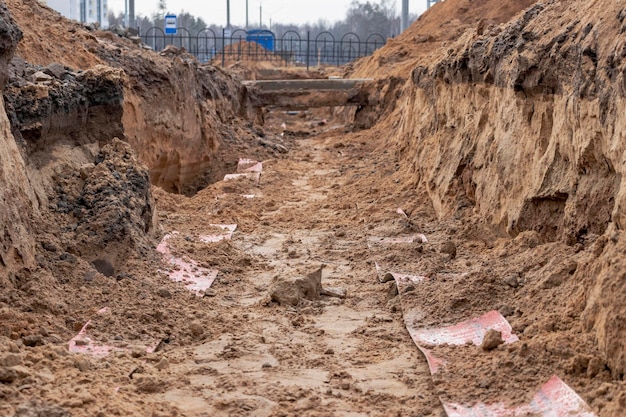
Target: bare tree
pixel 116 20
pixel 162 9
pixel 365 18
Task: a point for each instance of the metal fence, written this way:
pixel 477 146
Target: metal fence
pixel 289 49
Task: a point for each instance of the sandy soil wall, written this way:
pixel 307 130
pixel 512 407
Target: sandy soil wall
pixel 178 115
pixel 181 117
pixel 18 204
pixel 525 126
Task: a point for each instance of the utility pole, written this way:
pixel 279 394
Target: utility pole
pixel 405 15
pixel 131 13
pixel 246 14
pixel 227 14
pixel 260 15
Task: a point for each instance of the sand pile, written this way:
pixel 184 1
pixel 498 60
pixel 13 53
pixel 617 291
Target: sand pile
pixel 251 54
pixel 432 34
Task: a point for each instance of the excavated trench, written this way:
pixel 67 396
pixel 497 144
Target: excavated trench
pixel 449 244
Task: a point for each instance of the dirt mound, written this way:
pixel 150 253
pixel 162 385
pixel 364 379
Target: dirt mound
pixel 429 39
pixel 252 54
pixel 47 106
pixel 106 208
pixel 432 33
pixel 39 22
pixel 250 71
pixel 18 203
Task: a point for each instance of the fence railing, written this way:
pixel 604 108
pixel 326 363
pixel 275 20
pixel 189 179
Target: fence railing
pixel 262 45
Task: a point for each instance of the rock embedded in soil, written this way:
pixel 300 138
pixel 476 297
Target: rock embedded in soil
pixel 290 290
pixel 562 273
pixel 506 311
pixel 164 293
pixel 150 385
pixel 11 359
pixel 196 328
pixel 492 340
pixel 7 375
pixel 511 280
pixel 33 340
pixel 449 248
pixel 90 275
pixel 82 363
pixel 163 364
pixel 56 70
pixel 209 292
pixel 38 409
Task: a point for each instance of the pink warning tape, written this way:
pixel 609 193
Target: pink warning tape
pixel 473 330
pixel 399 278
pixel 251 165
pixel 256 176
pixel 554 399
pixel 434 363
pixel 402 213
pixel 244 196
pixel 196 278
pixel 82 343
pixel 459 334
pixel 227 234
pixel 420 238
pixel 246 168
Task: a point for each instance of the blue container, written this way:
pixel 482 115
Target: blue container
pixel 263 37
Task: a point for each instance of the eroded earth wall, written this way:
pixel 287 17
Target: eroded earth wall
pixel 18 204
pixel 524 125
pixel 180 116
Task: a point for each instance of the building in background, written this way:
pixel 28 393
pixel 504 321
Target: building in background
pixel 68 8
pixel 85 11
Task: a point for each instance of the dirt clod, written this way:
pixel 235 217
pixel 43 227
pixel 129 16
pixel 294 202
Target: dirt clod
pixel 512 280
pixel 290 290
pixel 492 339
pixel 449 248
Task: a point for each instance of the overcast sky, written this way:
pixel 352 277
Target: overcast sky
pixel 280 11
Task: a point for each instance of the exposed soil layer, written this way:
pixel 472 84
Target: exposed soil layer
pixel 183 119
pixel 497 134
pixel 540 89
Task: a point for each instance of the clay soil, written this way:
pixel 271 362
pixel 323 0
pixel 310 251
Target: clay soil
pixel 235 350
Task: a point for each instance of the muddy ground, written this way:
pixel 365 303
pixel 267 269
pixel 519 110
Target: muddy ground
pixel 109 191
pixel 235 350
